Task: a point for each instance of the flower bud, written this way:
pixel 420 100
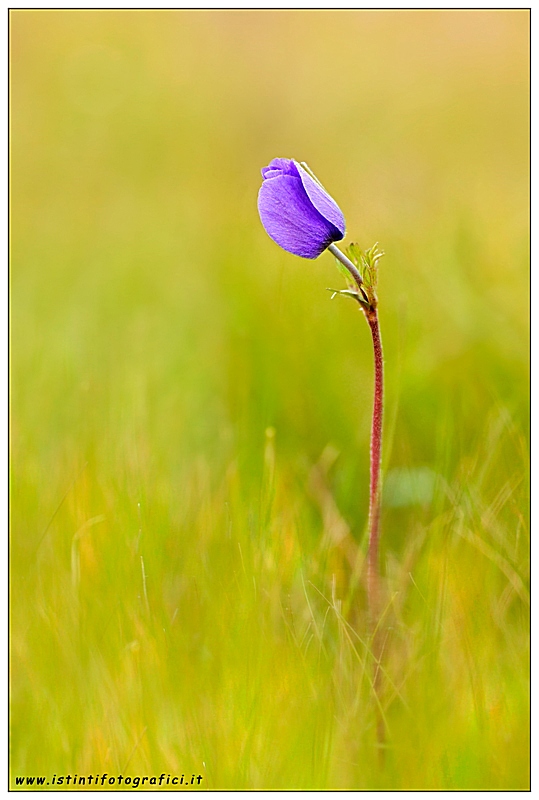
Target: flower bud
pixel 296 210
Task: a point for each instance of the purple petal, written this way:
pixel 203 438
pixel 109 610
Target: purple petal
pixel 321 200
pixel 285 166
pixel 291 218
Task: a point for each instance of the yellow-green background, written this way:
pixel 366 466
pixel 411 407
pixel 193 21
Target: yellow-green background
pixel 190 412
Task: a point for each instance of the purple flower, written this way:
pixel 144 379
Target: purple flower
pixel 296 210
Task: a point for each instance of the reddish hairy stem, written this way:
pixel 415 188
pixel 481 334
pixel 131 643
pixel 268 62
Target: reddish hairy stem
pixel 376 458
pixel 368 305
pixel 373 571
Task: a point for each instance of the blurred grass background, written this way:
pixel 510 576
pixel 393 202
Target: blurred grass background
pixel 190 412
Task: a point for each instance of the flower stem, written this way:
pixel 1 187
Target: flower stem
pixel 376 458
pixel 354 272
pixel 369 308
pixel 373 565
